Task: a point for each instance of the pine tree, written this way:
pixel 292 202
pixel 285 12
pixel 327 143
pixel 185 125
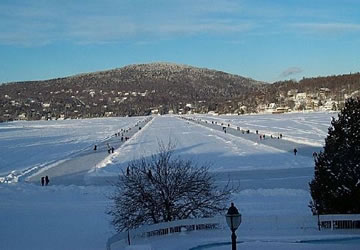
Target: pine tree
pixel 336 185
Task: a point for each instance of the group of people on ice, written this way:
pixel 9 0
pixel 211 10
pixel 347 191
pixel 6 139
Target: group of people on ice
pixel 243 131
pixel 111 149
pixel 45 180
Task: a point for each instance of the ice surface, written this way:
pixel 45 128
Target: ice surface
pixel 69 215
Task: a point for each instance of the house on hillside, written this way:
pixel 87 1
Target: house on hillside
pixel 281 110
pixel 22 116
pixel 324 93
pixel 270 108
pixel 46 105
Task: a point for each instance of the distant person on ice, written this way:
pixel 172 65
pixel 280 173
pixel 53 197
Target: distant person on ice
pixel 47 180
pixel 149 175
pixel 295 151
pixel 95 147
pixel 42 181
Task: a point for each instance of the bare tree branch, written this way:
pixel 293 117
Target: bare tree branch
pixel 163 189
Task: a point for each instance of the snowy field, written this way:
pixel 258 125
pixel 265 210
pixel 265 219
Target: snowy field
pixel 70 213
pixel 193 141
pixel 30 145
pixel 308 128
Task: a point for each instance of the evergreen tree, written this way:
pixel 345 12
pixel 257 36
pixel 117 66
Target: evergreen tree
pixel 336 185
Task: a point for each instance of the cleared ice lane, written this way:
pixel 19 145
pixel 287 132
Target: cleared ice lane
pixel 73 170
pixel 282 144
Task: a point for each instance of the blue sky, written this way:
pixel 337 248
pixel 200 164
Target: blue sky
pixel 267 40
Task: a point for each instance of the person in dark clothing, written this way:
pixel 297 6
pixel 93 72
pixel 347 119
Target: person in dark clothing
pixel 47 180
pixel 112 149
pixel 109 150
pixel 315 155
pixel 95 147
pixel 295 151
pixel 280 136
pixel 128 171
pixel 42 181
pixel 150 174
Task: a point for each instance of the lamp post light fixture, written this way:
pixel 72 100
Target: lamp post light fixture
pixel 233 219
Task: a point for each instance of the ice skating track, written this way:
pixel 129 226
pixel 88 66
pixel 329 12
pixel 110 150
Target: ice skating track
pixel 72 170
pixel 281 143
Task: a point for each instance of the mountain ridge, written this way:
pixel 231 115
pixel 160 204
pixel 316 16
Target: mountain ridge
pixel 130 90
pixel 140 89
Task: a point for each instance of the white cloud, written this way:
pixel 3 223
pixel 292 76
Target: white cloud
pixel 110 21
pixel 327 27
pixel 291 71
pixel 93 21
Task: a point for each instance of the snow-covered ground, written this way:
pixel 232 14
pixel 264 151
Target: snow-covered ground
pixel 311 127
pixel 225 152
pixel 70 215
pixel 25 146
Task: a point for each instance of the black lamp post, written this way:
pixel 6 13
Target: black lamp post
pixel 233 219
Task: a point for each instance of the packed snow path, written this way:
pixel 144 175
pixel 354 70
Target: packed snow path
pixel 254 165
pixel 274 141
pixel 73 170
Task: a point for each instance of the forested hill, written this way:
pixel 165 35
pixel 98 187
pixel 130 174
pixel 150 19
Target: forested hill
pixel 334 87
pixel 162 88
pixel 131 90
pixel 334 83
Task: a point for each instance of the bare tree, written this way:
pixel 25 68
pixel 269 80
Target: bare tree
pixel 163 189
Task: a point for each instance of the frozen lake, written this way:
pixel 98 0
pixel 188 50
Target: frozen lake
pixel 273 182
